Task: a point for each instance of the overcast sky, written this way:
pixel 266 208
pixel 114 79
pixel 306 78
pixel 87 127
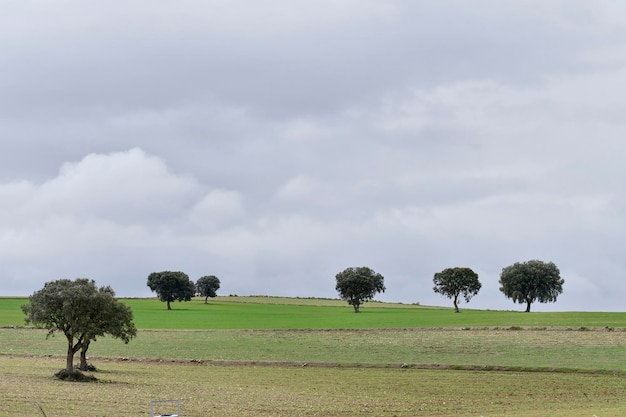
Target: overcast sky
pixel 275 143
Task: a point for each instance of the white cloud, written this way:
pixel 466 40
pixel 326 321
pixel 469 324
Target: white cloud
pixel 123 198
pixel 122 186
pixel 217 209
pixel 302 131
pixel 301 188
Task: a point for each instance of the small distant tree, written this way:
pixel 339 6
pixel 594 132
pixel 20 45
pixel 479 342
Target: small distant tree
pixel 207 286
pixel 531 281
pixel 79 310
pixel 171 286
pixel 359 285
pixel 455 282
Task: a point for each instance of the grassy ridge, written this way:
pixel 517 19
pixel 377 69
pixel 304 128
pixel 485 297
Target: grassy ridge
pixel 280 313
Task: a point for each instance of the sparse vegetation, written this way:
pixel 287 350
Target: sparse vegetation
pixel 127 388
pixel 471 364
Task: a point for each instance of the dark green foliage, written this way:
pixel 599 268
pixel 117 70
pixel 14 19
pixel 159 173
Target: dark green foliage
pixel 207 286
pixel 171 286
pixel 531 281
pixel 358 285
pixel 81 311
pixel 454 282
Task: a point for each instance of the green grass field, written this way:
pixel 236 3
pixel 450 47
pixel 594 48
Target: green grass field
pixel 254 356
pixel 284 313
pixel 565 350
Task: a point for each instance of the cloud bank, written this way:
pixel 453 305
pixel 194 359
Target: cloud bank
pixel 274 145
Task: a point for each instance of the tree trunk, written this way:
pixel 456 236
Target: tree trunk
pixel 356 307
pixel 528 306
pixel 206 299
pixel 456 303
pixel 69 362
pixel 168 305
pixel 83 358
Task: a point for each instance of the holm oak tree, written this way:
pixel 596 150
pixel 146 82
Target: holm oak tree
pixel 455 282
pixel 358 285
pixel 171 286
pixel 531 281
pixel 81 311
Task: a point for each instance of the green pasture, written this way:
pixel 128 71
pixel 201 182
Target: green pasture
pixel 561 350
pixel 284 313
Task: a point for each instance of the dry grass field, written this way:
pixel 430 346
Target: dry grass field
pixel 127 387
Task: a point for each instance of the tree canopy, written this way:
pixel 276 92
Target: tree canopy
pixel 531 281
pixel 81 311
pixel 171 286
pixel 455 282
pixel 207 286
pixel 359 285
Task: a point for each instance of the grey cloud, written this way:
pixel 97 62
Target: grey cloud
pixel 123 57
pixel 275 144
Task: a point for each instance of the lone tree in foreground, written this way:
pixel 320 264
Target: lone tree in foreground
pixel 80 311
pixel 171 286
pixel 207 286
pixel 358 285
pixel 455 282
pixel 531 281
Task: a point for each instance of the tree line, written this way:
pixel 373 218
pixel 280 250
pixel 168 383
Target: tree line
pixel 524 283
pixel 83 312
